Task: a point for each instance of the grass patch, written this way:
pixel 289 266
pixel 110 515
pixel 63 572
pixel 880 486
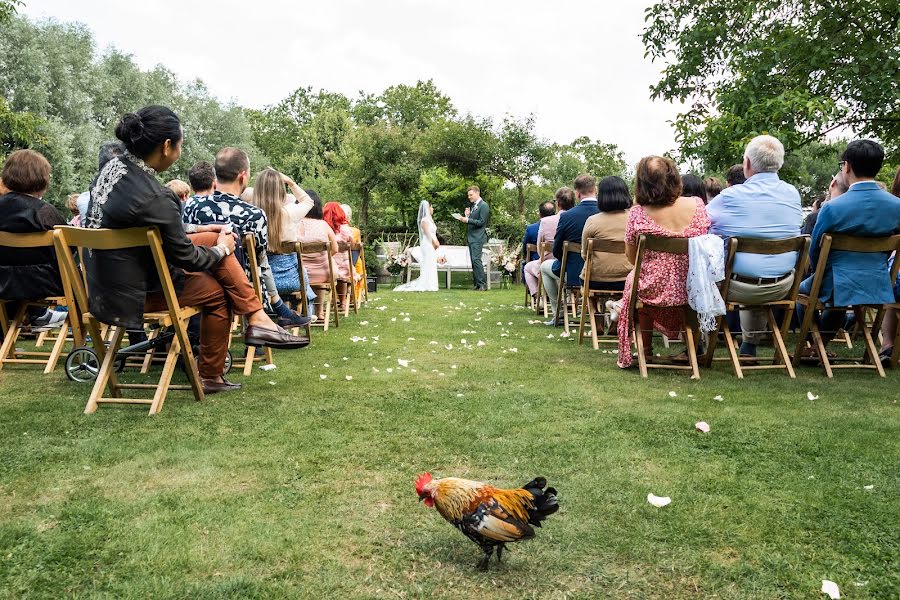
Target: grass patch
pixel 305 488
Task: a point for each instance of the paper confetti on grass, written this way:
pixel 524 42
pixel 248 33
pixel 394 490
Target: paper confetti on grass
pixel 658 501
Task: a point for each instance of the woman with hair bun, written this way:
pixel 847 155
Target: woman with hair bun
pixel 122 284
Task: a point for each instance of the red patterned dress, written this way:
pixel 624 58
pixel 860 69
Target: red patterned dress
pixel 663 278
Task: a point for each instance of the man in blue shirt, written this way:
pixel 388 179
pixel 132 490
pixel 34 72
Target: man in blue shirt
pixel 569 229
pixel 855 278
pixel 762 207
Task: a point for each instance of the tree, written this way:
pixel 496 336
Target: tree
pixel 377 158
pixel 465 146
pixel 518 155
pixel 415 106
pixel 8 9
pixel 797 69
pixel 565 162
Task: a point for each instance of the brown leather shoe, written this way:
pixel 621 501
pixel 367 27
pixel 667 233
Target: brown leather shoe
pixel 213 386
pixel 273 338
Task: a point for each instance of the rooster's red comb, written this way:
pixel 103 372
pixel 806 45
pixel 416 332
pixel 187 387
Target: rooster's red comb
pixel 421 481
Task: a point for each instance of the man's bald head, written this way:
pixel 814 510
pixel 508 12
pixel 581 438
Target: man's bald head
pixel 230 162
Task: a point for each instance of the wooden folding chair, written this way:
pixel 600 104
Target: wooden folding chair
pixel 812 304
pixel 176 316
pixel 593 302
pixel 565 298
pixel 526 256
pixel 347 248
pixel 321 288
pixel 781 360
pixel 691 330
pixel 252 356
pixel 14 324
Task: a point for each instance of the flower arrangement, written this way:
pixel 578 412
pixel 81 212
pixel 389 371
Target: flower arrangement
pixel 507 261
pixel 397 261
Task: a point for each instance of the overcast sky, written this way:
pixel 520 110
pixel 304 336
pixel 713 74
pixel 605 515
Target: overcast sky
pixel 577 65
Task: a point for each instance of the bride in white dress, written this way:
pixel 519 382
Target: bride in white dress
pixel 428 243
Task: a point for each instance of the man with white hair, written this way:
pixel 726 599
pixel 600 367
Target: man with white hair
pixel 763 207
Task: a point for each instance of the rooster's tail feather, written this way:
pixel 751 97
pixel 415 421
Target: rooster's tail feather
pixel 545 502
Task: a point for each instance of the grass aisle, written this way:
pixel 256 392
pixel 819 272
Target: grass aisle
pixel 299 486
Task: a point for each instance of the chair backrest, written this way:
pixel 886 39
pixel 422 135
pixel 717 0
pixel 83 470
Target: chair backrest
pixel 528 251
pixel 798 244
pixel 111 239
pixel 41 239
pixel 314 247
pixel 654 243
pixel 850 243
pixel 250 252
pixel 598 245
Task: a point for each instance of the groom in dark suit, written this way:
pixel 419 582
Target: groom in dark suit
pixel 476 221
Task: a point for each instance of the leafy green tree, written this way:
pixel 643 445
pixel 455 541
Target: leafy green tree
pixel 565 162
pixel 518 155
pixel 8 9
pixel 797 69
pixel 465 146
pixel 416 106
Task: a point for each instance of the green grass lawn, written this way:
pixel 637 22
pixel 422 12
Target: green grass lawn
pixel 298 486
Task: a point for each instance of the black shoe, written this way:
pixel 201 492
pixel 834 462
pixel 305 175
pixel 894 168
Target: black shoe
pixel 295 320
pixel 273 338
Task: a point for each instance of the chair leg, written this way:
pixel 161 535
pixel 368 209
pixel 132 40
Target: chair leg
pixel 107 370
pixel 713 342
pixel 248 361
pixel 8 349
pixel 691 350
pixel 58 346
pixel 151 352
pixel 165 378
pixel 190 362
pixel 639 343
pixel 871 349
pixel 805 329
pixel 820 346
pixel 732 350
pixel 781 353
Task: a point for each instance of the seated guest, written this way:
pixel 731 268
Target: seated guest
pixel 29 273
pixel 693 186
pixel 608 270
pixel 713 187
pixel 108 151
pixel 661 210
pixel 764 207
pixel 531 230
pixel 313 229
pixel 531 269
pixel 224 205
pixel 122 284
pixel 72 206
pixel 853 278
pixel 269 196
pixel 181 189
pixel 837 187
pixel 735 175
pixel 571 224
pixel 334 215
pixel 358 266
pixel 202 178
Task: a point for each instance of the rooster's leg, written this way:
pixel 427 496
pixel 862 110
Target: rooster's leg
pixel 484 562
pixel 500 552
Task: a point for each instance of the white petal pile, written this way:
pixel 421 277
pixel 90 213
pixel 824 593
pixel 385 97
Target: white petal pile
pixel 658 501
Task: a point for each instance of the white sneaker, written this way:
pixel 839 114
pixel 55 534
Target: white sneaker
pixel 614 308
pixel 52 319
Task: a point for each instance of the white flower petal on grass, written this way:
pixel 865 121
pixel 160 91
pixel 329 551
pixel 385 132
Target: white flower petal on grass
pixel 348 377
pixel 480 343
pixel 268 367
pixel 433 343
pixel 413 371
pixel 370 354
pixel 868 487
pixel 272 383
pixel 410 339
pixel 323 376
pixel 452 366
pixel 565 334
pixel 810 396
pixel 402 362
pixel 393 319
pixel 516 350
pixel 441 374
pixel 389 370
pixel 463 341
pixel 510 323
pixel 658 501
pixel 501 324
pixel 719 398
pixel 673 395
pixel 459 395
pixel 374 370
pixel 550 336
pixel 449 347
pixel 381 308
pixel 326 365
pixel 363 322
pixel 702 426
pixel 831 589
pixel 406 319
pixel 345 358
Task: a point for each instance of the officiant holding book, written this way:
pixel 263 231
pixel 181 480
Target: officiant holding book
pixel 476 220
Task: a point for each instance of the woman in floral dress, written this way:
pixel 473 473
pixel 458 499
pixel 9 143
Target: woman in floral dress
pixel 662 282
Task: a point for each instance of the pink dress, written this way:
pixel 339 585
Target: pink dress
pixel 663 277
pixel 341 262
pixel 314 230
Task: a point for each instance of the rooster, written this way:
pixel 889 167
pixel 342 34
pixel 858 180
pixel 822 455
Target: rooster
pixel 489 516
